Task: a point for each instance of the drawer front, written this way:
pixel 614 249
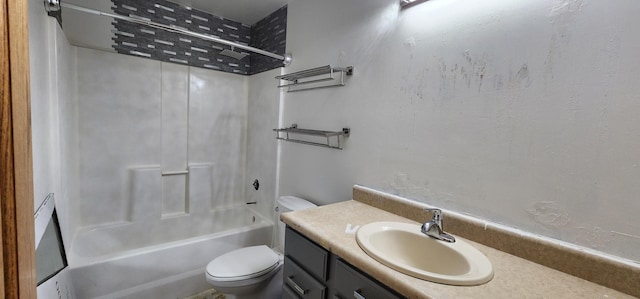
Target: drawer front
pixel 350 283
pixel 300 282
pixel 288 293
pixel 307 254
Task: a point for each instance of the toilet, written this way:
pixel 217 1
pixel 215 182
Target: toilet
pixel 256 271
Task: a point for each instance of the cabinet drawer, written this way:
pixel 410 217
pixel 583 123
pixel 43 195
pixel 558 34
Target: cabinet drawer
pixel 300 282
pixel 350 283
pixel 307 254
pixel 288 293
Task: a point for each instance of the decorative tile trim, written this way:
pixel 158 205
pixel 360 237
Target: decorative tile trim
pixel 269 34
pixel 600 269
pixel 145 41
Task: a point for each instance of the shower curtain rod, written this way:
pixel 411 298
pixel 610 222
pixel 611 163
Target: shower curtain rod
pixel 53 4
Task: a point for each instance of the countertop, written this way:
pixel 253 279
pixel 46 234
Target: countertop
pixel 514 277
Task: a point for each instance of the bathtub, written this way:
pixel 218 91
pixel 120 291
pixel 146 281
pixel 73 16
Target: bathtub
pixel 159 259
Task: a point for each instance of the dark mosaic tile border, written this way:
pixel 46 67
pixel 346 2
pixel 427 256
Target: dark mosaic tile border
pixel 269 34
pixel 146 41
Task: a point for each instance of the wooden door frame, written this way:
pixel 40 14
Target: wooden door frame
pixel 18 276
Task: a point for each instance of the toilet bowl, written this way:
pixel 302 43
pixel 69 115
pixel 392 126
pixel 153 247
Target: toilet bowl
pixel 245 270
pixel 256 271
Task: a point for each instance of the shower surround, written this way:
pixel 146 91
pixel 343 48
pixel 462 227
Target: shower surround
pixel 139 118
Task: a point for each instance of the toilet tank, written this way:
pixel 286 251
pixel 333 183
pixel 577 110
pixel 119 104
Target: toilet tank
pixel 292 203
pixel 288 204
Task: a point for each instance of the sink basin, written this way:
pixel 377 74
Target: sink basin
pixel 404 248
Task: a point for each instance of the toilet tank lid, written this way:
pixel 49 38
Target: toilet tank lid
pixel 292 203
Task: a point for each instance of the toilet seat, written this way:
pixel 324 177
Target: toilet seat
pixel 243 264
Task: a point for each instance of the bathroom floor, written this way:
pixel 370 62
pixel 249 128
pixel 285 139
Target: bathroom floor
pixel 208 294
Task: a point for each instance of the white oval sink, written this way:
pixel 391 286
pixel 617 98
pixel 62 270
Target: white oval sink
pixel 404 248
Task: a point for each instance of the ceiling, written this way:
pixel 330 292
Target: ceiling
pixel 244 11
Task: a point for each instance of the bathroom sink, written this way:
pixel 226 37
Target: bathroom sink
pixel 404 248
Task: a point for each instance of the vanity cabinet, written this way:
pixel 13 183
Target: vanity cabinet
pixel 305 271
pixel 298 283
pixel 349 282
pixel 310 271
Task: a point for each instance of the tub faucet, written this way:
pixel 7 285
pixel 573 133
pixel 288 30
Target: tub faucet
pixel 434 229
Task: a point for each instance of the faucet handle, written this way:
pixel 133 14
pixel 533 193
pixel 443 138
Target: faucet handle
pixel 437 215
pixel 434 227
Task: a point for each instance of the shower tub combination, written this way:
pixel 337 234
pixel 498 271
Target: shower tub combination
pixel 160 259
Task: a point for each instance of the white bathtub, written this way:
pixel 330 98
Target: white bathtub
pixel 162 259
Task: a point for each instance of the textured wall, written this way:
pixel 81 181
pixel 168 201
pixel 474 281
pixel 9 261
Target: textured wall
pixel 520 112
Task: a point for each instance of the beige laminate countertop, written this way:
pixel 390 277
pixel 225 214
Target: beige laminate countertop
pixel 514 277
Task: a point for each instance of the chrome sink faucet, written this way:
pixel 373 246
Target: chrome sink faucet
pixel 434 227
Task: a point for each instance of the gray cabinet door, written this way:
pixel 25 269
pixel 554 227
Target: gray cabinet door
pixel 288 293
pixel 304 252
pixel 350 283
pixel 301 282
pixel 310 271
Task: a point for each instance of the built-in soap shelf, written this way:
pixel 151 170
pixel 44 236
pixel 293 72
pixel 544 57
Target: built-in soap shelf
pixel 290 134
pixel 307 78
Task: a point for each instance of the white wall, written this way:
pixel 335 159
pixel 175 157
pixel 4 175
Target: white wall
pixel 41 100
pixel 262 117
pixel 53 113
pixel 519 112
pixel 217 130
pixel 119 126
pixel 64 133
pixel 54 140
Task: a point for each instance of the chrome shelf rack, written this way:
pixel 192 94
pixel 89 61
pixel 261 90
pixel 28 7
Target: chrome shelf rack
pixel 286 135
pixel 307 77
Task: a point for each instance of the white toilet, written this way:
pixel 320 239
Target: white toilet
pixel 256 271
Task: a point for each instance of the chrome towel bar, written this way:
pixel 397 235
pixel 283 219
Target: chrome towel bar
pixel 179 172
pixel 286 135
pixel 297 78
